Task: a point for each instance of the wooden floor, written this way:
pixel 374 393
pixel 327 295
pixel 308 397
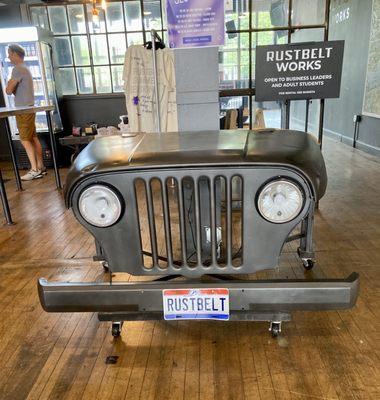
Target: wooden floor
pixel 326 355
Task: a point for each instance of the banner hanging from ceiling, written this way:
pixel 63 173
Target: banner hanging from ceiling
pixel 195 23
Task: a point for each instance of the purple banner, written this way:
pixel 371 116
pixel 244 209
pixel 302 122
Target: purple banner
pixel 195 23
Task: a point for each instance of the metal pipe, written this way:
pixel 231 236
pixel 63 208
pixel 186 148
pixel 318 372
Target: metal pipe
pixel 307 115
pixel 250 105
pixel 287 102
pixel 53 150
pixel 153 35
pixel 274 28
pixel 322 107
pixel 13 155
pixel 4 201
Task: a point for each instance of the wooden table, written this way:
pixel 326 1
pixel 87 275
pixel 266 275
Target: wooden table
pixel 6 112
pixel 76 143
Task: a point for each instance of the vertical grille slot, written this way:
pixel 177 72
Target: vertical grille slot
pixel 182 222
pixel 152 225
pixel 213 222
pixel 157 194
pixel 223 229
pixel 204 197
pixel 191 226
pixel 172 197
pixel 142 209
pixel 198 238
pixel 229 221
pixel 166 214
pixel 237 220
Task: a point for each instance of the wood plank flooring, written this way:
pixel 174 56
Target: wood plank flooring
pixel 325 355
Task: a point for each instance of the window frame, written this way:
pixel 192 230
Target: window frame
pixel 86 5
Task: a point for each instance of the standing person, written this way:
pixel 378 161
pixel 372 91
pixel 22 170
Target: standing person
pixel 21 86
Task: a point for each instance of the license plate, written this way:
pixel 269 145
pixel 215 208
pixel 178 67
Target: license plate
pixel 196 304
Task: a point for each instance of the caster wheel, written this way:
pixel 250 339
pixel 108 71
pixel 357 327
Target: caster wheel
pixel 105 266
pixel 116 329
pixel 308 264
pixel 275 329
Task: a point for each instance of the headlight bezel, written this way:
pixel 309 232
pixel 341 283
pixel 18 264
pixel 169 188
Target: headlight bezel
pixel 110 189
pixel 280 179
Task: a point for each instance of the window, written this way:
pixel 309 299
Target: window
pixel 76 17
pixel 90 46
pixel 39 17
pixel 58 20
pixel 80 50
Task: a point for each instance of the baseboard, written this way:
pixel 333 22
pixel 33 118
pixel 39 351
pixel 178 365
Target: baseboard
pixel 338 136
pixel 375 151
pixel 367 148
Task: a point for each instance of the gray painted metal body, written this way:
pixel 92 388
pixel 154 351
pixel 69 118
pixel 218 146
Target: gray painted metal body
pixel 254 157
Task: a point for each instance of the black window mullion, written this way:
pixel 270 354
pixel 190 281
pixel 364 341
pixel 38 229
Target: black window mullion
pixel 250 65
pixel 142 20
pixel 126 41
pixel 162 20
pixel 287 102
pixel 322 101
pixel 89 49
pixel 109 60
pixel 71 48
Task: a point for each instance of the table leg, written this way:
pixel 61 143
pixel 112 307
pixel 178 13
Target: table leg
pixel 53 150
pixel 4 200
pixel 13 155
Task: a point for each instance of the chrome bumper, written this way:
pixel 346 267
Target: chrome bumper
pixel 146 297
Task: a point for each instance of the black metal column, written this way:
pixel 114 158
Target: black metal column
pixel 53 150
pixel 287 114
pixel 4 201
pixel 322 104
pixel 307 115
pixel 13 154
pixel 287 102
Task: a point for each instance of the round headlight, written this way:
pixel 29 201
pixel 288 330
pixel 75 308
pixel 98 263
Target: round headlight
pixel 280 201
pixel 99 206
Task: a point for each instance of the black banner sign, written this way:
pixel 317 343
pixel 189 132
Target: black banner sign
pixel 299 71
